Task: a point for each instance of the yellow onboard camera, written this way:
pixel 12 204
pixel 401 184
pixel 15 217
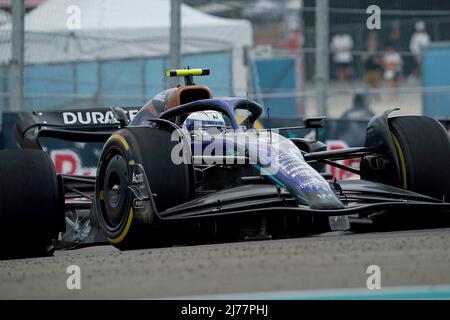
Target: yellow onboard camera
pixel 188 74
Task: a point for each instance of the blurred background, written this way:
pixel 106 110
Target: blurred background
pixel 344 59
pixel 85 53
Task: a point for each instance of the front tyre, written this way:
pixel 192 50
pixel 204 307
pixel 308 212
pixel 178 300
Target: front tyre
pixel 423 150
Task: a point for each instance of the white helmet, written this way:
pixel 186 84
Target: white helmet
pixel 208 120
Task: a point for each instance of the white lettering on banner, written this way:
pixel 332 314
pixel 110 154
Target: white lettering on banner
pixel 69 118
pixel 94 117
pixel 97 117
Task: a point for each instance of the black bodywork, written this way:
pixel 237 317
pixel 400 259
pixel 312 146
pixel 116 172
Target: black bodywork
pixel 260 208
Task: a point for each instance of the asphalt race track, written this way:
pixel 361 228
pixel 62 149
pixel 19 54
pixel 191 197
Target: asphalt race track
pixel 330 261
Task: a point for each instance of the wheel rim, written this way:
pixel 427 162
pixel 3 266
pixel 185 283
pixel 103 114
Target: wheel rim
pixel 115 192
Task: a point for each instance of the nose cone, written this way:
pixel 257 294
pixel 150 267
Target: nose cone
pixel 284 163
pixel 324 201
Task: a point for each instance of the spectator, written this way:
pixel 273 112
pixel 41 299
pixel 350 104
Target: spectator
pixel 419 40
pixel 292 25
pixel 294 40
pixel 341 47
pixel 360 109
pixel 392 65
pixel 372 62
pixel 393 39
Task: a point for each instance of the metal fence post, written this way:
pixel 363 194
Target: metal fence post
pixel 175 38
pixel 17 54
pixel 322 62
pixel 300 64
pixel 143 80
pixel 4 87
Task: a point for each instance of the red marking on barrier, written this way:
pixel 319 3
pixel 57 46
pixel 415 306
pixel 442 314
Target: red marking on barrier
pixel 340 174
pixel 68 162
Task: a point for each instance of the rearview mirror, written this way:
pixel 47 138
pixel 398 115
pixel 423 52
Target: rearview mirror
pixel 316 122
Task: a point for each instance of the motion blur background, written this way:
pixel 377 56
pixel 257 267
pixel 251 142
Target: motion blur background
pixel 297 58
pixel 118 53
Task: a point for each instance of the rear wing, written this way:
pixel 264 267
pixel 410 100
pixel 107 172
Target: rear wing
pixel 80 125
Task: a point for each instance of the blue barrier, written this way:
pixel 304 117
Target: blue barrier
pixel 280 79
pixel 436 73
pixel 104 83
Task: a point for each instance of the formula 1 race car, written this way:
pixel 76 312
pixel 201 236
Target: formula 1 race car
pixel 183 170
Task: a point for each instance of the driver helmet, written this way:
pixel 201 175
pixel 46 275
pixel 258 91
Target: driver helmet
pixel 209 121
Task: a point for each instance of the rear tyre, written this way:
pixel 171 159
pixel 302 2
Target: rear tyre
pixel 125 225
pixel 423 151
pixel 31 205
